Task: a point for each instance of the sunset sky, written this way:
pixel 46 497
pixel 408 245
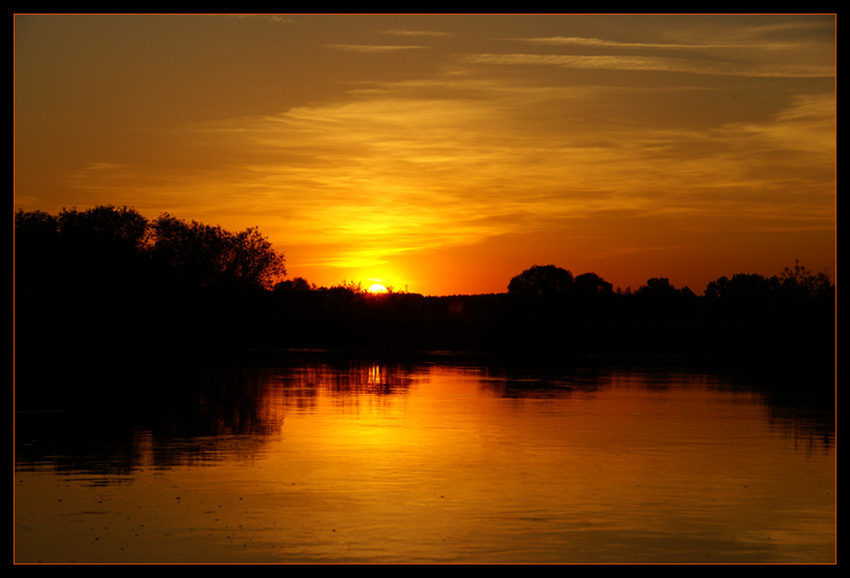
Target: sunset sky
pixel 445 154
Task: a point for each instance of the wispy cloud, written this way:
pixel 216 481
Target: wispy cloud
pixel 373 48
pixel 655 64
pixel 431 33
pixel 797 48
pixel 602 43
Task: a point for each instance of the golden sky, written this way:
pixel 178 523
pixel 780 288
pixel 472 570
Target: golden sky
pixel 445 154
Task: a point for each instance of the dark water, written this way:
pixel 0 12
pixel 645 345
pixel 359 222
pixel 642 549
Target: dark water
pixel 304 458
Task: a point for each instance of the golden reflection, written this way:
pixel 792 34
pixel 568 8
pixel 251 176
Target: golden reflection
pixel 375 375
pixel 456 467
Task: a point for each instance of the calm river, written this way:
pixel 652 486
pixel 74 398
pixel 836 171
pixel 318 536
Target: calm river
pixel 303 458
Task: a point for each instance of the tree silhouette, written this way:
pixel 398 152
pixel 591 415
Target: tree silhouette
pixel 541 280
pixel 298 284
pixel 658 287
pixel 96 251
pixel 36 246
pixel 794 282
pixel 801 281
pixel 103 246
pixel 590 284
pixel 104 229
pixel 196 255
pixel 742 285
pixel 107 249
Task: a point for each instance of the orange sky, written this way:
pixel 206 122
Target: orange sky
pixel 446 153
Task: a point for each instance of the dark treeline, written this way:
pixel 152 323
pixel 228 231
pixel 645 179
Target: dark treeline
pixel 107 285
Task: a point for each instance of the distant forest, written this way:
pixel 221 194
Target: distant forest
pixel 107 284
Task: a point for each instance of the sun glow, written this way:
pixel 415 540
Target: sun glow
pixel 377 288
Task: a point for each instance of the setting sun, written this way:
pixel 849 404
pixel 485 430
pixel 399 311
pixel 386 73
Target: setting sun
pixel 377 288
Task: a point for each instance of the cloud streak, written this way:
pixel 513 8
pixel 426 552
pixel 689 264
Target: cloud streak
pixel 653 64
pixel 373 48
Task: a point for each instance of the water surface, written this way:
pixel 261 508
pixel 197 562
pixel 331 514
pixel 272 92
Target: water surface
pixel 310 459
